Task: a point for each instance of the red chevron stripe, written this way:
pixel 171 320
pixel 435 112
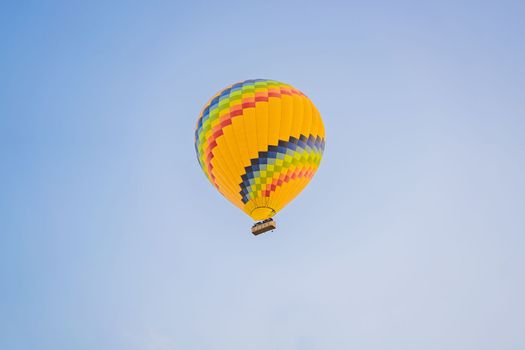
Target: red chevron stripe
pixel 305 172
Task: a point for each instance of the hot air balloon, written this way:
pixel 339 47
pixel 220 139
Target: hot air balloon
pixel 259 142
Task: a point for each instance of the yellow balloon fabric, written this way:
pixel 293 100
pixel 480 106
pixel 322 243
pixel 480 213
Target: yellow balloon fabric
pixel 259 142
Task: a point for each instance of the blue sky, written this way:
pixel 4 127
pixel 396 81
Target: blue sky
pixel 410 236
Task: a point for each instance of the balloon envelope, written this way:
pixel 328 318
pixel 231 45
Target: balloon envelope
pixel 259 142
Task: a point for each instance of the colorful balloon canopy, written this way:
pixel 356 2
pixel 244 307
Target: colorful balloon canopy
pixel 260 142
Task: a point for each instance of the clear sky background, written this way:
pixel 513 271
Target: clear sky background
pixel 410 236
